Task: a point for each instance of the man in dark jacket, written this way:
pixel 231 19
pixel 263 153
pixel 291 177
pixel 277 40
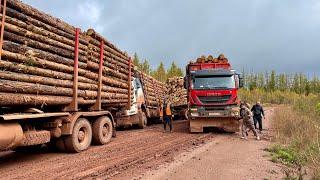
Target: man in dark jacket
pixel 258 112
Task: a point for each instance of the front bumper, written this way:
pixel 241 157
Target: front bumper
pixel 223 113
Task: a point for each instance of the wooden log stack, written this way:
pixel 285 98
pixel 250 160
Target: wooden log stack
pixel 177 94
pixel 154 90
pixel 37 62
pixel 210 59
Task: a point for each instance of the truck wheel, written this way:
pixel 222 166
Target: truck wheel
pixel 102 131
pixel 81 136
pixel 142 120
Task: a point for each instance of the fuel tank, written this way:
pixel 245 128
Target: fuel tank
pixel 11 135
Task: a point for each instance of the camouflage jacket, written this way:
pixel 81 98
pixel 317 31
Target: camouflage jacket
pixel 246 114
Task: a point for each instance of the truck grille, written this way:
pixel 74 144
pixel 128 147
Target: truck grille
pixel 214 99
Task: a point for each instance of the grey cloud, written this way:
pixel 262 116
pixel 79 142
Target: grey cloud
pixel 254 34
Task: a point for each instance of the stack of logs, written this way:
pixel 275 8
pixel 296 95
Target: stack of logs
pixel 210 59
pixel 177 94
pixel 154 90
pixel 37 62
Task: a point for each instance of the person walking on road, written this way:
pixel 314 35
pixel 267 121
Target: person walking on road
pixel 167 115
pixel 247 118
pixel 258 112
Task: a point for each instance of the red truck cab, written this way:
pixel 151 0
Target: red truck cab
pixel 212 96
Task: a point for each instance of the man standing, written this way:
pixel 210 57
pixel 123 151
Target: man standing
pixel 258 112
pixel 167 115
pixel 247 121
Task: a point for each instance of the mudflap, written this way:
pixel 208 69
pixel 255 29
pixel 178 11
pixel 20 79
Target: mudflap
pixel 226 123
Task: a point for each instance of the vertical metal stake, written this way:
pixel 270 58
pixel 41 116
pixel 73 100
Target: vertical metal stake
pixel 129 84
pixel 97 105
pixel 73 106
pixel 2 25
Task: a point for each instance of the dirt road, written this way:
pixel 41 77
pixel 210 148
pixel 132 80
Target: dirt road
pixel 130 154
pixel 149 154
pixel 224 157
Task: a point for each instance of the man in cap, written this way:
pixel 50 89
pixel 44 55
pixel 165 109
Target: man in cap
pixel 258 112
pixel 247 117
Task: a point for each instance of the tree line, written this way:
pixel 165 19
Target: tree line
pixel 272 81
pixel 160 73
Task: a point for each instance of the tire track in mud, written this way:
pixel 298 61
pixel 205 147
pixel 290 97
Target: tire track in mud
pixel 133 151
pixel 136 158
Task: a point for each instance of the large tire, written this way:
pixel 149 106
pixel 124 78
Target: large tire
pixel 185 114
pixel 102 131
pixel 142 120
pixel 81 136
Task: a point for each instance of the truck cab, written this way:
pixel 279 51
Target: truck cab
pixel 213 96
pixel 136 114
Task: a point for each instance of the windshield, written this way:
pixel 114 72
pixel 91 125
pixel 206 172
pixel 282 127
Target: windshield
pixel 214 82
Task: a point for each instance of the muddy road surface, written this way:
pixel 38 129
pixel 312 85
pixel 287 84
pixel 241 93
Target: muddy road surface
pixel 152 154
pixel 130 154
pixel 224 157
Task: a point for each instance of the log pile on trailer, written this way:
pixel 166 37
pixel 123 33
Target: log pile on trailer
pixel 177 94
pixel 45 62
pixel 210 59
pixel 154 90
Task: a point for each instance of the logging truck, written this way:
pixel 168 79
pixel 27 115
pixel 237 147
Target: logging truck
pixel 212 94
pixel 58 86
pixel 145 106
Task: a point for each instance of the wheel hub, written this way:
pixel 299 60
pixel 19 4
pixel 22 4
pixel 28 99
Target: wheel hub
pixel 81 136
pixel 105 130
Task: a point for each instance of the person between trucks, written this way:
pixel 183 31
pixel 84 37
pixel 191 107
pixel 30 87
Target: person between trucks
pixel 258 112
pixel 247 118
pixel 167 115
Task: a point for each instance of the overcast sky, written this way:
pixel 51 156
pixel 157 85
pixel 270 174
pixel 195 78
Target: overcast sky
pixel 256 35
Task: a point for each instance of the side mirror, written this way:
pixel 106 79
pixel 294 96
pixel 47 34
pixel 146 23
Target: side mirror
pixel 185 82
pixel 241 81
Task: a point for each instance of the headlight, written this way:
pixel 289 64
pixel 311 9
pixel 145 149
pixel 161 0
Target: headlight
pixel 235 111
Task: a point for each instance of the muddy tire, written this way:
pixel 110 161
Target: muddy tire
pixel 102 131
pixel 185 114
pixel 81 136
pixel 142 120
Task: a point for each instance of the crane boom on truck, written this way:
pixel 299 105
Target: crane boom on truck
pixel 212 94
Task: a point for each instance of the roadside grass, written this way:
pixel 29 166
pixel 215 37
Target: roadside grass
pixel 296 130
